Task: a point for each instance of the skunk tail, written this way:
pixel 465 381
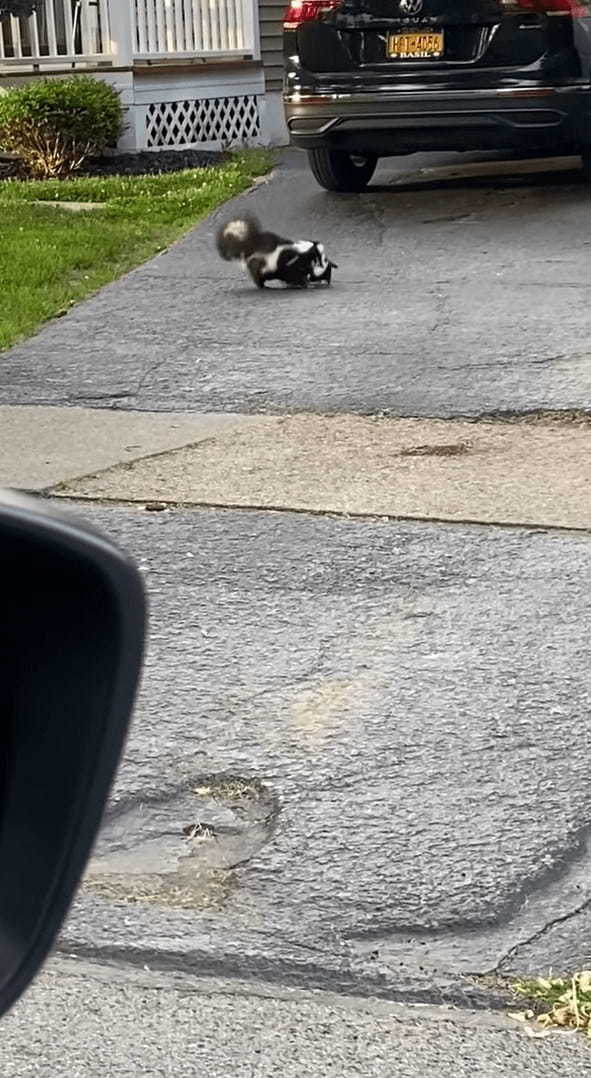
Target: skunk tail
pixel 238 238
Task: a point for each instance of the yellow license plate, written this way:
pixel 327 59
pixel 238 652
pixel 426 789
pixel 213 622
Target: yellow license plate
pixel 415 46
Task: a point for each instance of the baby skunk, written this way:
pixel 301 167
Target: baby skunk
pixel 268 257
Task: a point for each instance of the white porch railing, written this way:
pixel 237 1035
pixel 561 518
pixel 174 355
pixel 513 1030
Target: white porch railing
pixel 71 33
pixel 193 27
pixel 66 29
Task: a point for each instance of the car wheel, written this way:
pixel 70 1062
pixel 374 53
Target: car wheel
pixel 339 170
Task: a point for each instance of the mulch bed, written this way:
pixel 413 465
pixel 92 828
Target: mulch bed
pixel 150 164
pixel 132 164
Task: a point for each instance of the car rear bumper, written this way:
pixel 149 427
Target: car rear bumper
pixel 440 119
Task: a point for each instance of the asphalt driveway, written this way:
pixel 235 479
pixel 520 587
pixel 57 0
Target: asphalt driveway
pixel 358 761
pixel 454 296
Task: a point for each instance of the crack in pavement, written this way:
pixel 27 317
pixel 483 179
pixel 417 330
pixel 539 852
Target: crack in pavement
pixel 540 933
pixel 83 398
pixel 505 364
pixel 152 367
pixel 332 514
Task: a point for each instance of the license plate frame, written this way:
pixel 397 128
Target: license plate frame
pixel 416 45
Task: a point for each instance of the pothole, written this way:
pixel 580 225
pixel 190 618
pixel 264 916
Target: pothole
pixel 182 850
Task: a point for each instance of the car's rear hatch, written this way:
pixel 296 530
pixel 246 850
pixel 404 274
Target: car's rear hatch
pixel 435 43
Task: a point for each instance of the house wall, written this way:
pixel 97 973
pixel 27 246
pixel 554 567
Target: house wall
pixel 204 106
pixel 271 31
pixel 222 97
pixel 204 103
pixel 271 39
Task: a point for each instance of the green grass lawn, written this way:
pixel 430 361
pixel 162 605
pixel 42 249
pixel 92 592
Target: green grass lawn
pixel 558 1001
pixel 50 257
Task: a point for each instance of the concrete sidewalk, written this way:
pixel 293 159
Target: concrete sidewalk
pixel 532 472
pixel 42 446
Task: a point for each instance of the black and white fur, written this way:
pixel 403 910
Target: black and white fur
pixel 269 257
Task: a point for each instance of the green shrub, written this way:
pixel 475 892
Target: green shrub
pixel 53 125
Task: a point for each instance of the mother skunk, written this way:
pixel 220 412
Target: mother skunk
pixel 268 257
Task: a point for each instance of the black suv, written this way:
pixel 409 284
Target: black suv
pixel 373 78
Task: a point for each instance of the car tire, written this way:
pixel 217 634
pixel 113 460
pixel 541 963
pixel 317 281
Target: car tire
pixel 586 162
pixel 339 170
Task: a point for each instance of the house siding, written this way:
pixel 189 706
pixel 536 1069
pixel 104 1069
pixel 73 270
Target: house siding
pixel 271 28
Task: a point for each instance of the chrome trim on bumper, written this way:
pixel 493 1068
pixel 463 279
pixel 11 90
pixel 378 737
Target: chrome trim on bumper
pixel 386 95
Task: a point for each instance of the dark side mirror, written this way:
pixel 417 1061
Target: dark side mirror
pixel 71 638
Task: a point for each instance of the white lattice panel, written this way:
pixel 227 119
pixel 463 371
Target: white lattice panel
pixel 220 120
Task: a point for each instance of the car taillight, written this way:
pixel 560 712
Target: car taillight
pixel 549 7
pixel 300 11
